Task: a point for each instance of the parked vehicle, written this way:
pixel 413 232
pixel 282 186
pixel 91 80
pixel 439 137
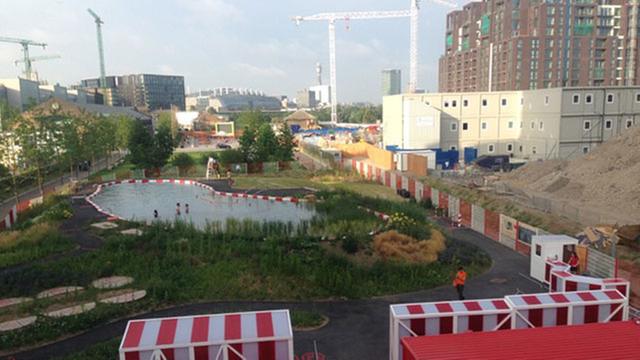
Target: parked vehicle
pixel 494 162
pixel 224 146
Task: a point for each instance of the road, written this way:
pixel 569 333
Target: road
pixel 7 204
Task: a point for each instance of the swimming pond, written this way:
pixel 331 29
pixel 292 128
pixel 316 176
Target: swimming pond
pixel 138 200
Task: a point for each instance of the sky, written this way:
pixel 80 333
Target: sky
pixel 215 43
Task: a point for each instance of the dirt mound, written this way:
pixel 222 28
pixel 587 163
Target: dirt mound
pixel 608 178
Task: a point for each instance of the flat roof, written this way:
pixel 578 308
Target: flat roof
pixel 618 340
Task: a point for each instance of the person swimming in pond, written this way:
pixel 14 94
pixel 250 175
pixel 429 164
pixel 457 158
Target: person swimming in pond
pixel 155 214
pixel 186 208
pixel 178 209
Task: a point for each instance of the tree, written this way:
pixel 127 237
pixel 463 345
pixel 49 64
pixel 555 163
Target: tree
pixel 140 145
pixel 285 144
pixel 71 142
pixel 252 119
pixel 37 141
pixel 183 162
pixel 166 120
pixel 266 143
pixel 248 144
pixel 162 147
pixel 124 129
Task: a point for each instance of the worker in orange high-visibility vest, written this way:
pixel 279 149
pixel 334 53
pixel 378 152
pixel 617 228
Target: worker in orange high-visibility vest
pixel 458 282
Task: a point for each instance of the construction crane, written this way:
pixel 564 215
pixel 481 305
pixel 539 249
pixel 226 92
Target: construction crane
pixel 25 52
pixel 99 22
pixel 37 58
pixel 412 13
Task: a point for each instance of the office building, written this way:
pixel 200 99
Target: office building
pixel 496 45
pixel 19 93
pixel 533 124
pixel 148 91
pixel 305 99
pixel 391 82
pixel 321 95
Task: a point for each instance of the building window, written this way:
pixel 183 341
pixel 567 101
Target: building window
pixel 534 150
pixel 520 148
pixel 454 126
pixel 638 97
pixel 503 102
pixel 546 100
pixel 465 126
pixel 576 99
pixel 484 102
pixel 533 125
pixel 521 101
pixel 608 124
pixel 483 126
pixel 490 148
pixel 610 98
pixel 465 102
pixel 588 99
pixel 520 124
pixel 446 104
pixel 510 125
pixel 585 149
pixel 541 126
pixel 586 125
pixel 454 103
pixel 629 123
pixel 510 147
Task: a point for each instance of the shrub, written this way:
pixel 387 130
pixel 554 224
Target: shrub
pixel 393 245
pixel 183 162
pixel 231 156
pixel 350 244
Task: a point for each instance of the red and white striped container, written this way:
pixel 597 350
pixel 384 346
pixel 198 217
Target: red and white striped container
pixel 570 308
pixel 445 318
pixel 554 265
pixel 564 281
pixel 264 335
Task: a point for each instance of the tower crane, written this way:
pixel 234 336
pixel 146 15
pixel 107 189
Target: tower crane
pixel 331 18
pixel 25 51
pixel 99 22
pixel 37 58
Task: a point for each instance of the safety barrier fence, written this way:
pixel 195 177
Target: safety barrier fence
pixel 499 227
pixel 510 312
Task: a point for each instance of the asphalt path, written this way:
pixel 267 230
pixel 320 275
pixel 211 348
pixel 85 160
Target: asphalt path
pixel 357 329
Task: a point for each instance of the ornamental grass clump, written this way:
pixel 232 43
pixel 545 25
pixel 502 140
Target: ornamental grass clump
pixel 394 245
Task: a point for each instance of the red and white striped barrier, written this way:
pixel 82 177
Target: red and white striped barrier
pixel 11 217
pixel 182 182
pixel 378 214
pixel 564 281
pixel 511 312
pixel 554 265
pixel 445 318
pixel 264 335
pixel 571 308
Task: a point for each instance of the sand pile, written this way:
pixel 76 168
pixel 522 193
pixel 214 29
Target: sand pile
pixel 608 178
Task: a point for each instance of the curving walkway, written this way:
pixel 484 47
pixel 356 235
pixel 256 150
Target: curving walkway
pixel 358 329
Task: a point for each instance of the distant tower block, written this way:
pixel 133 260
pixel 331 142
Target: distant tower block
pixel 319 73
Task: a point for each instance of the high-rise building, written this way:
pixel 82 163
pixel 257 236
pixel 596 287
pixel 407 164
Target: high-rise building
pixel 150 91
pixel 391 82
pixel 529 44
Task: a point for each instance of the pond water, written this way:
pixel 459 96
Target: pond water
pixel 138 200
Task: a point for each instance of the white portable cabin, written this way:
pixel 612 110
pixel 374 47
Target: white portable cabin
pixel 262 335
pixel 545 247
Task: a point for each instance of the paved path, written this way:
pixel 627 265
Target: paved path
pixel 358 329
pixel 52 184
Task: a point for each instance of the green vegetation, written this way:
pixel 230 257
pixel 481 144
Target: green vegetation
pixel 184 162
pixel 259 143
pixel 150 151
pixel 330 256
pixel 306 319
pixel 360 114
pixel 36 235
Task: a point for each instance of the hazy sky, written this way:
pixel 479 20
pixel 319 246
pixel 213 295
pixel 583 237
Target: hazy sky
pixel 214 43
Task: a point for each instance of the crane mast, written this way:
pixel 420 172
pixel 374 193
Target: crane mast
pixel 25 52
pixel 331 18
pixel 99 22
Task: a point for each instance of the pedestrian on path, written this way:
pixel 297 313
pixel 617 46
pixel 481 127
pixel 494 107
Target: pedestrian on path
pixel 178 209
pixel 458 282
